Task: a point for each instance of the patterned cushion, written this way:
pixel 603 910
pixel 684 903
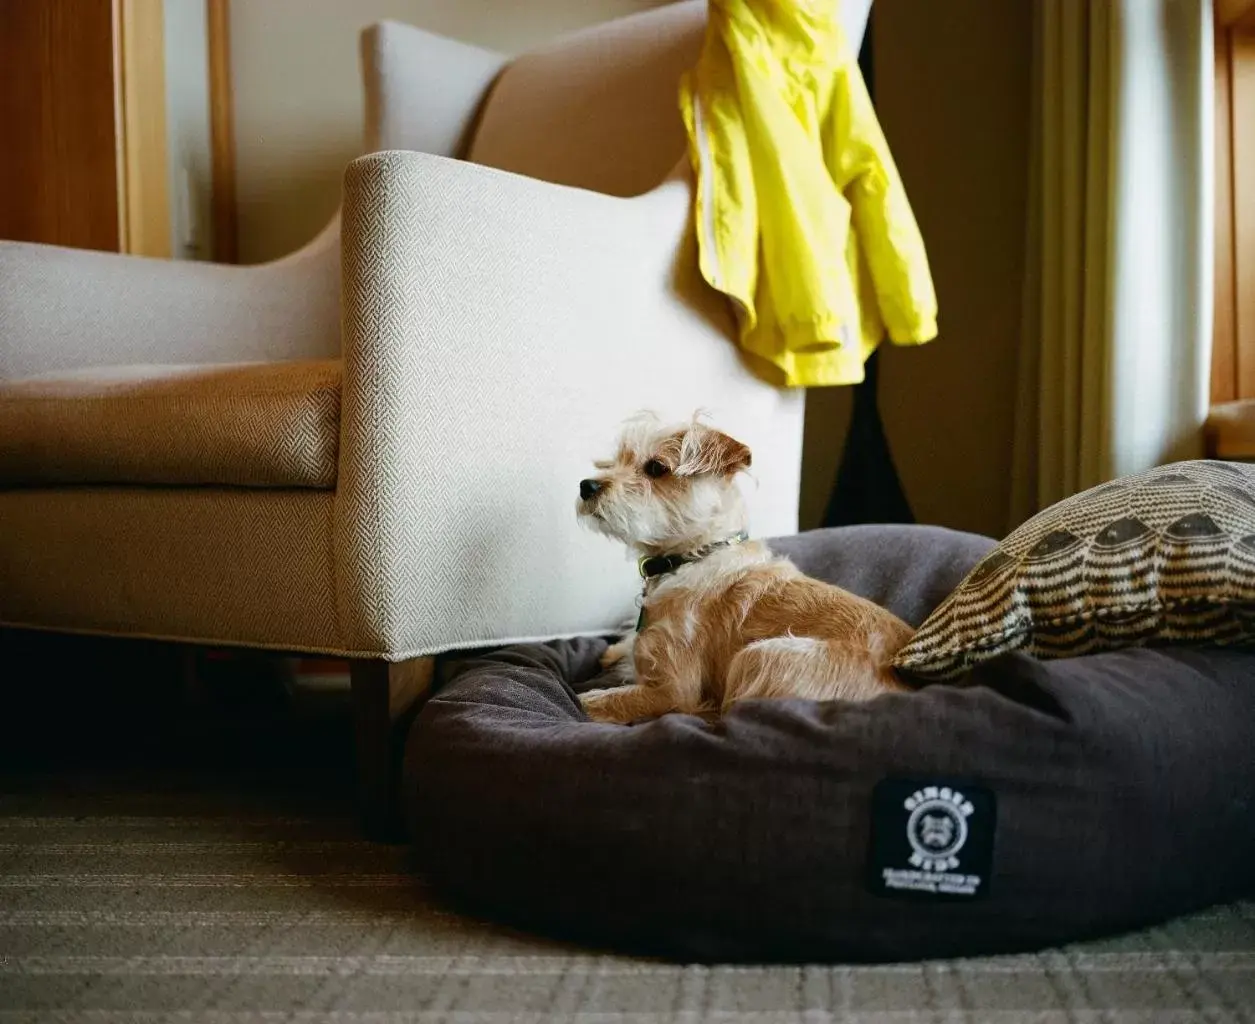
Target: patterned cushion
pixel 1167 556
pixel 248 425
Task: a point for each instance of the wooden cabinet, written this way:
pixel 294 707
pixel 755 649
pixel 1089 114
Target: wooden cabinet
pixel 82 112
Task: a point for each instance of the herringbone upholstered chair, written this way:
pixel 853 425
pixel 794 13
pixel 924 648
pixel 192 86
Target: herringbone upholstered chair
pixel 371 447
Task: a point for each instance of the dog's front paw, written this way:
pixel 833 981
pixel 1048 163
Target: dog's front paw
pixel 599 705
pixel 618 662
pixel 615 653
pixel 626 704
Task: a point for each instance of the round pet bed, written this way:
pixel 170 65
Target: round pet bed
pixel 1026 804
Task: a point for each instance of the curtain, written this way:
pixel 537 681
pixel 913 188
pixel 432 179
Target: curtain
pixel 1116 341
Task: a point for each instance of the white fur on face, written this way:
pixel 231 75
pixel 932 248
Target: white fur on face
pixel 696 503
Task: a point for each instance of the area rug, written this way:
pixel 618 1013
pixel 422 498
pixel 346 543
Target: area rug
pixel 161 865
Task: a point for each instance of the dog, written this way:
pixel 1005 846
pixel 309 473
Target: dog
pixel 722 618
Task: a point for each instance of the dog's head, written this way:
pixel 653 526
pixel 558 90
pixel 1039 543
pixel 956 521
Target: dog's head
pixel 668 489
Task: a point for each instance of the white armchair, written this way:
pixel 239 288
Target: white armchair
pixel 233 455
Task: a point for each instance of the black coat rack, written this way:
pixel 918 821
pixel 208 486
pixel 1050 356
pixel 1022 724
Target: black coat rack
pixel 867 488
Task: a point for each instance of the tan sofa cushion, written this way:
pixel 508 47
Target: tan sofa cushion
pixel 207 565
pixel 253 425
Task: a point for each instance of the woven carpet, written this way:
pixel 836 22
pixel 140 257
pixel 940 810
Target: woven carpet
pixel 166 856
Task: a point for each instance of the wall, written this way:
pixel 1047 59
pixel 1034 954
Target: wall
pixel 297 93
pixel 952 93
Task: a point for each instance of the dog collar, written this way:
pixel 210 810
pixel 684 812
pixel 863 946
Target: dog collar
pixel 651 566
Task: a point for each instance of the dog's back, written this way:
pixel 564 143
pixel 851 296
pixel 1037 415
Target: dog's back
pixel 761 628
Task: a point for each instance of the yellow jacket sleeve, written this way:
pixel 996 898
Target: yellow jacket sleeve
pixel 863 169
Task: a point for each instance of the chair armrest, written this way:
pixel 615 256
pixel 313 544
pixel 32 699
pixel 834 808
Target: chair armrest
pixel 496 331
pixel 63 309
pixel 422 90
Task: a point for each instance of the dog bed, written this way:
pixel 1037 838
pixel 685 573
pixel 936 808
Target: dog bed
pixel 1025 804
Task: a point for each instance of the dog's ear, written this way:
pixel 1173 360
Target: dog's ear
pixel 705 450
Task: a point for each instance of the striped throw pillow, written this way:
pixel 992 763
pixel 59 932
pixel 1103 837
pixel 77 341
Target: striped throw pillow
pixel 1163 557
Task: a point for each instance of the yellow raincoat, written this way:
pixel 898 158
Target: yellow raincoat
pixel 801 217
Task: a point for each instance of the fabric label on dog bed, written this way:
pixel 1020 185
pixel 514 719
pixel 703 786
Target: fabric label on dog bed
pixel 931 839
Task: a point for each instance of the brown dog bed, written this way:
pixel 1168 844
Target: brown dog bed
pixel 1025 804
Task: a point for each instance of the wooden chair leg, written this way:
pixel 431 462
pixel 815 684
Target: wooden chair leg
pixel 384 696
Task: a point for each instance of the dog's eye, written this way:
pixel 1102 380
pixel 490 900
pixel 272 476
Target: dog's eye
pixel 655 468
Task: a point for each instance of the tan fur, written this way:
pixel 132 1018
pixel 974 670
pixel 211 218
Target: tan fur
pixel 739 623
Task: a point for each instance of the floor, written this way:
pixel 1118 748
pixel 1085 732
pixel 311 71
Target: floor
pixel 180 852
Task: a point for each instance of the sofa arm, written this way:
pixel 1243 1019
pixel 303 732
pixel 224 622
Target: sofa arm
pixel 63 309
pixel 496 331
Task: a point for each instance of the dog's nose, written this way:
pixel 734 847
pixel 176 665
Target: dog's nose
pixel 589 489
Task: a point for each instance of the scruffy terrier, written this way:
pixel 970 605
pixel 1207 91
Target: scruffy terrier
pixel 722 618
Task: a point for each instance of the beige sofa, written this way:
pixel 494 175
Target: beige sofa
pixel 371 447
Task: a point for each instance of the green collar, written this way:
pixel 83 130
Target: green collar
pixel 651 566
